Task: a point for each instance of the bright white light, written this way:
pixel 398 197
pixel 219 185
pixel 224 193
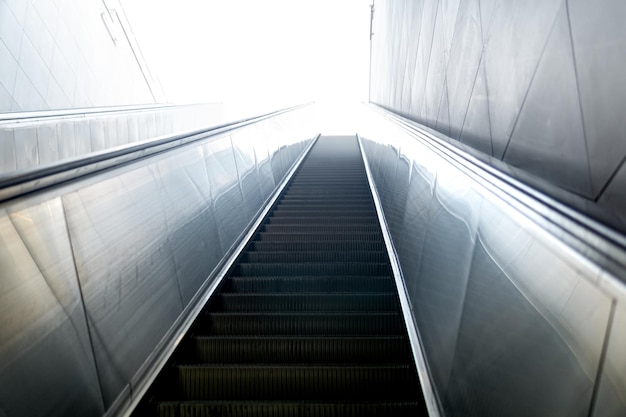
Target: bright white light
pixel 272 52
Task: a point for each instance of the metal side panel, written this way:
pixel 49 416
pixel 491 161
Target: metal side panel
pixel 98 274
pixel 430 397
pixel 513 318
pixel 209 288
pixel 46 362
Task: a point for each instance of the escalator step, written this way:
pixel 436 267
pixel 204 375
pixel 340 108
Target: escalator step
pixel 285 409
pixel 301 324
pixel 291 212
pixel 309 284
pixel 296 382
pixel 295 246
pixel 335 220
pixel 318 237
pixel 312 269
pixel 349 200
pixel 237 302
pixel 315 256
pixel 321 228
pixel 301 350
pixel 307 322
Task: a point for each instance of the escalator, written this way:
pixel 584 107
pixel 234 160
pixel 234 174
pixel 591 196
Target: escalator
pixel 308 321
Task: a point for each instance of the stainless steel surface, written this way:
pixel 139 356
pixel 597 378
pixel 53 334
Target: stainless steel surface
pixel 31 176
pixel 535 84
pixel 46 363
pixel 95 273
pixel 227 262
pixel 430 397
pixel 600 51
pixel 512 318
pixel 91 130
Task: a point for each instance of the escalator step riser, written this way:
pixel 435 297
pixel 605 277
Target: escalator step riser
pixel 321 228
pixel 313 256
pixel 326 194
pixel 327 190
pixel 248 409
pixel 311 269
pixel 327 207
pixel 235 302
pixel 303 383
pixel 334 220
pixel 327 200
pixel 318 237
pixel 310 284
pixel 311 212
pixel 264 350
pixel 322 246
pixel 381 324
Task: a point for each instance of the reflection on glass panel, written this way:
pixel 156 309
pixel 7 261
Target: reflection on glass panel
pixel 43 318
pixel 511 320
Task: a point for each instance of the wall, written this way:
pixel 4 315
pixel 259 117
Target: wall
pixel 537 84
pixel 59 54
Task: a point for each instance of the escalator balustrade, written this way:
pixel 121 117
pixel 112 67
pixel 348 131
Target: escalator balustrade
pixel 307 322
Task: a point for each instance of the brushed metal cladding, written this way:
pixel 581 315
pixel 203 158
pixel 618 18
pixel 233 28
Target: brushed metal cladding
pixel 47 143
pixel 424 49
pixel 67 140
pixel 436 73
pixel 514 45
pixel 512 321
pixel 225 191
pixel 412 19
pixel 244 152
pixel 95 274
pixel 558 150
pixel 189 218
pixel 46 362
pixel 466 52
pixel 611 400
pixel 127 272
pixel 26 149
pixel 7 149
pixel 537 84
pixel 614 195
pixel 599 43
pixel 476 127
pixel 508 359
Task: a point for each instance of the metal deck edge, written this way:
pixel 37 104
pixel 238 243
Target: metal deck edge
pixel 433 404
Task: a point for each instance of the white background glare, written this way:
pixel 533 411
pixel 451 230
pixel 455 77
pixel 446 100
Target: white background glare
pixel 272 52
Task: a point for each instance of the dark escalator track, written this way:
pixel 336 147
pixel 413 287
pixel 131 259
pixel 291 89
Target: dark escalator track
pixel 308 322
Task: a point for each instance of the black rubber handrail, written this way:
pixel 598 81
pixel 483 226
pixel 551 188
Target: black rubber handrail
pixel 18 183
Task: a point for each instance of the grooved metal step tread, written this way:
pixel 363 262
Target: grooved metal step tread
pixel 304 302
pixel 289 409
pixel 301 324
pixel 297 382
pixel 312 269
pixel 315 256
pixel 311 212
pixel 321 228
pixel 318 237
pixel 297 246
pixel 321 284
pixel 335 220
pixel 294 350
